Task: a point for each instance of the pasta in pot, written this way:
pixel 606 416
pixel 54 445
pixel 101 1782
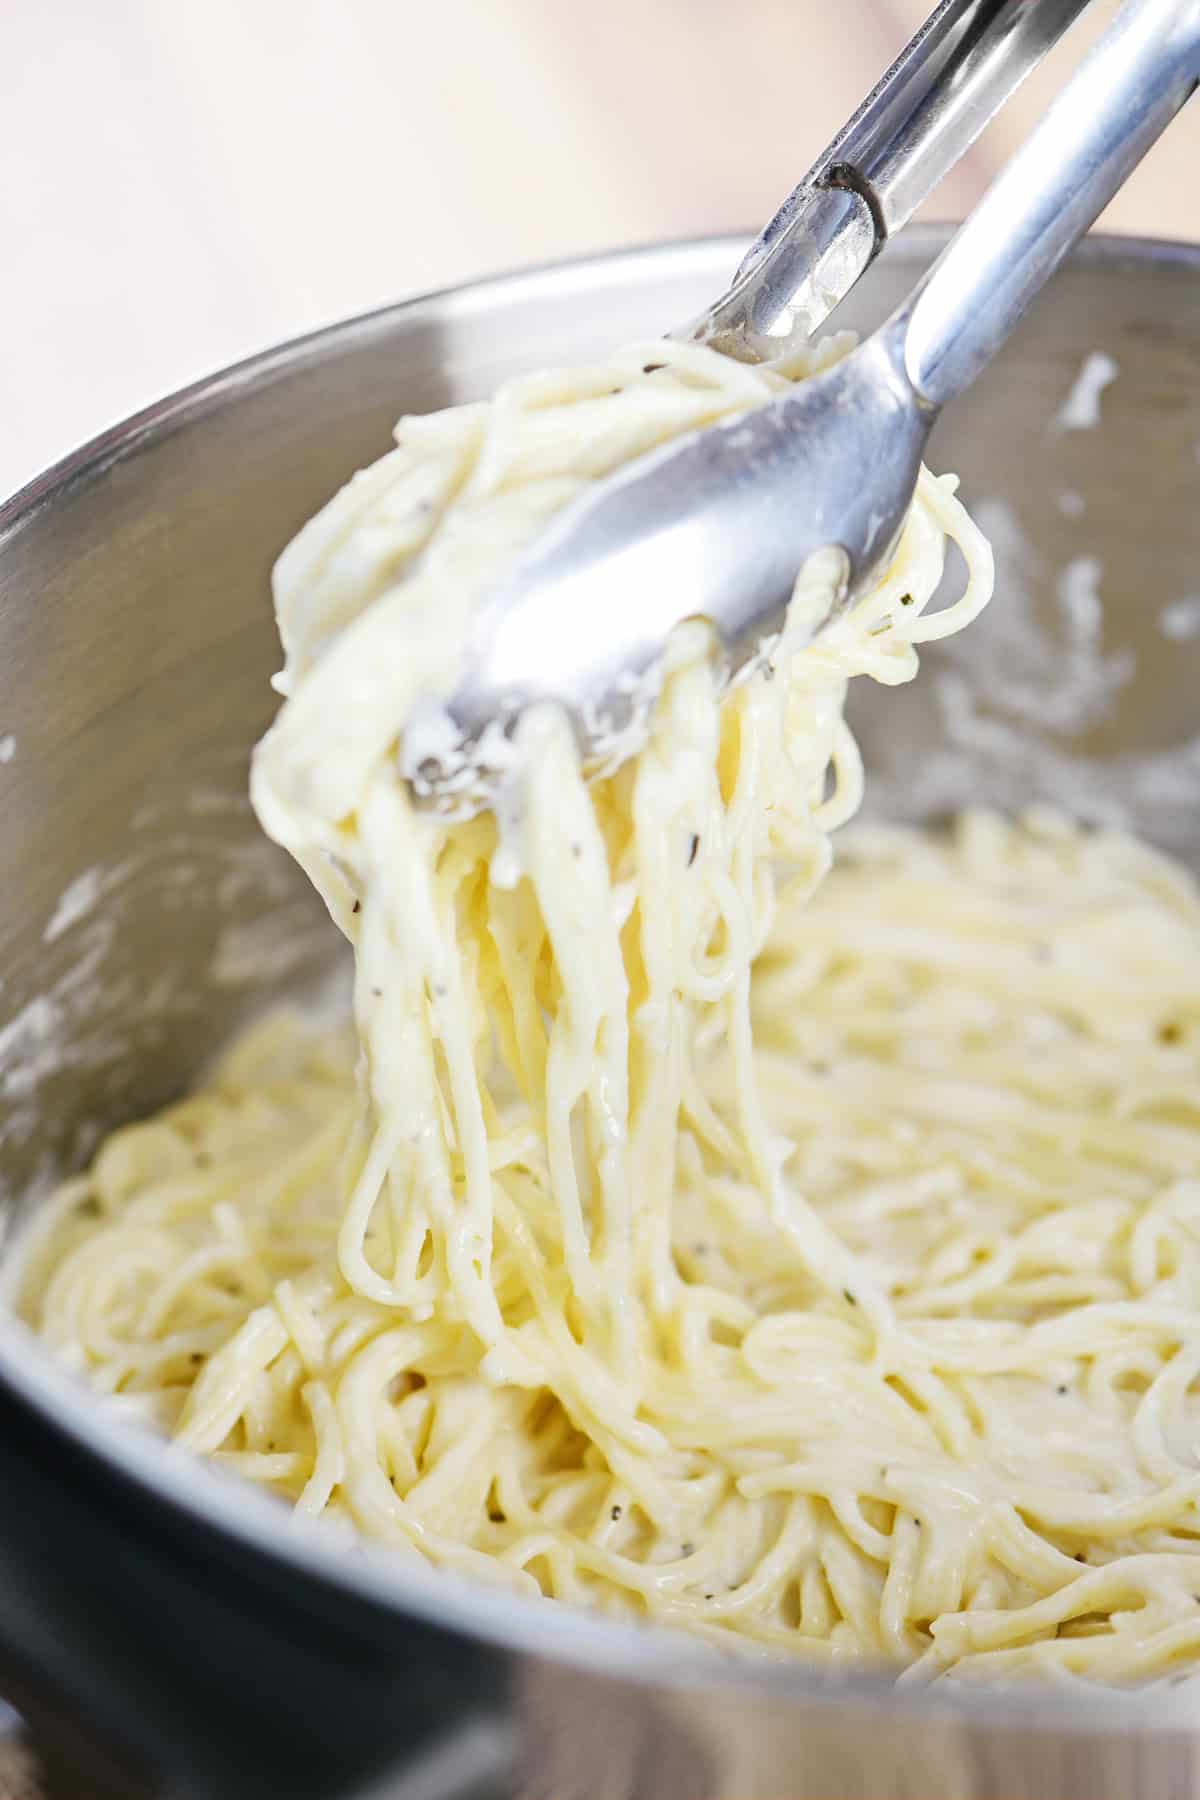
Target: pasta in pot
pixel 809 1259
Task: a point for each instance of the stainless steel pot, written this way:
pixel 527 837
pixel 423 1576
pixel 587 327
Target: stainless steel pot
pixel 143 916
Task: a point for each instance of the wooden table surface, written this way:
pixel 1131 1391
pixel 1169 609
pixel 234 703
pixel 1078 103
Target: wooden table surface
pixel 187 180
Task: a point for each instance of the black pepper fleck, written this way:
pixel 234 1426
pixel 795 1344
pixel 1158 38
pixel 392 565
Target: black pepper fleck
pixel 616 1513
pixel 357 907
pixel 652 368
pixel 848 1296
pixel 693 848
pixel 1062 1388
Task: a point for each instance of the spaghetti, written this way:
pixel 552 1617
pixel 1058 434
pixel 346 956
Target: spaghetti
pixel 808 1259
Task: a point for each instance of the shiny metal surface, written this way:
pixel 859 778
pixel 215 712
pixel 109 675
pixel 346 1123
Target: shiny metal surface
pixel 135 647
pixel 947 83
pixel 717 525
pixel 1097 130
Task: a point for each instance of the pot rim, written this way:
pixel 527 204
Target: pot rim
pixel 235 1516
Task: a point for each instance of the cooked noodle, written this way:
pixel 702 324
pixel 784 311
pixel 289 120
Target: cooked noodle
pixel 807 1259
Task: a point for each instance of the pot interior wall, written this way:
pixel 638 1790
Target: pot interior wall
pixel 1079 453
pixel 144 916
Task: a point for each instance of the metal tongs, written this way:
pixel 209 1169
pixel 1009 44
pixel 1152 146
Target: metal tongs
pixel 718 525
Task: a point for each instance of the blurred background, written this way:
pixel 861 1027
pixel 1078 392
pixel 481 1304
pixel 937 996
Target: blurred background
pixel 185 181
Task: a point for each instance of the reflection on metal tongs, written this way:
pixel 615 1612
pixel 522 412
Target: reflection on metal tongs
pixel 718 525
pixel 947 84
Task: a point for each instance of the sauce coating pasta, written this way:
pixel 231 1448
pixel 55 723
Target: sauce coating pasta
pixel 807 1259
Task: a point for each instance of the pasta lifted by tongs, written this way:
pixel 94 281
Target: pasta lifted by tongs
pixel 720 525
